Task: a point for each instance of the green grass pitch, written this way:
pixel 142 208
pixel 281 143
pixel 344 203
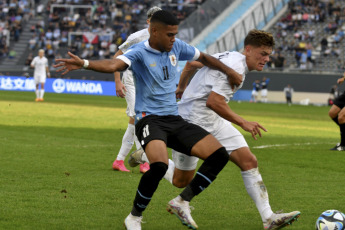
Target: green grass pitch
pixel 56 158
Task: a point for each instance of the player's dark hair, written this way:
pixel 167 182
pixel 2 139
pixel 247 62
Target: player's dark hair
pixel 164 17
pixel 259 38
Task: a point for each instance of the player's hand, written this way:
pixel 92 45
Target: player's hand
pixel 67 65
pixel 340 80
pixel 120 89
pixel 235 79
pixel 179 92
pixel 253 128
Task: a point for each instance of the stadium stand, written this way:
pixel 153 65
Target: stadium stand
pixel 90 29
pixel 310 36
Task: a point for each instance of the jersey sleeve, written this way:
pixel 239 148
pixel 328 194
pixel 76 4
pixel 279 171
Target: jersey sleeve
pixel 132 55
pixel 131 40
pixel 187 52
pixel 221 85
pixel 33 61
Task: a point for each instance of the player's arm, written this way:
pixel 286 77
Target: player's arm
pixel 235 78
pixel 120 88
pixel 32 65
pixel 47 71
pixel 187 72
pixel 217 103
pixel 103 66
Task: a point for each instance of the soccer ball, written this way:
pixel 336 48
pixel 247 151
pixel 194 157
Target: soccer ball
pixel 331 220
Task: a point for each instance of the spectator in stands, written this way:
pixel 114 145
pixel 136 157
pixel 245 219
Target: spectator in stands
pixel 29 59
pixel 303 60
pixel 339 65
pixel 298 54
pixel 324 44
pixel 279 61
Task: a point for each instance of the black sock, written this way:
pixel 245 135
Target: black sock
pixel 147 186
pixel 336 120
pixel 207 173
pixel 342 134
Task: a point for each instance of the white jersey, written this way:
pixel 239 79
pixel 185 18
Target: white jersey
pixel 40 65
pixel 127 77
pixel 192 106
pixel 133 39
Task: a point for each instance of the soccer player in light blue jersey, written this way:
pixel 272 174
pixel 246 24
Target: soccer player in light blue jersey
pixel 157 123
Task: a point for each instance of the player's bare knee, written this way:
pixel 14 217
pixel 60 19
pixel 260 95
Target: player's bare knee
pixel 249 163
pixel 331 114
pixel 181 183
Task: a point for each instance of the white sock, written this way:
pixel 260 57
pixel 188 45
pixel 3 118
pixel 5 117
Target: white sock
pixel 127 142
pixel 41 93
pixel 136 141
pixel 37 93
pixel 169 175
pixel 257 191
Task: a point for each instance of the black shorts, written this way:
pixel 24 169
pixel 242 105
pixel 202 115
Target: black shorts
pixel 177 133
pixel 340 101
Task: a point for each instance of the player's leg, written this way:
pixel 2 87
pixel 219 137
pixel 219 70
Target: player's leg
pixel 157 154
pixel 264 95
pixel 181 169
pixel 129 136
pixel 206 147
pixel 247 162
pixel 252 179
pixel 337 114
pixel 41 92
pixel 256 189
pixel 126 146
pixel 153 139
pixel 37 92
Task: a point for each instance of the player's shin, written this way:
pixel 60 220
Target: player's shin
pixel 257 191
pixel 207 173
pixel 342 134
pixel 147 186
pixel 127 142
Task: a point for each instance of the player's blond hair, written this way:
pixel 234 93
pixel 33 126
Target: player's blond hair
pixel 259 38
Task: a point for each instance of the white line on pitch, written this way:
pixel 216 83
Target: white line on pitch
pixel 281 145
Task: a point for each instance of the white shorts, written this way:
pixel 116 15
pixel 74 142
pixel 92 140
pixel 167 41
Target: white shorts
pixel 254 93
pixel 127 80
pixel 227 135
pixel 40 79
pixel 264 93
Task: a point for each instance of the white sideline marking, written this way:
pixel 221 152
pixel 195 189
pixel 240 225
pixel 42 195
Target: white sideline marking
pixel 281 145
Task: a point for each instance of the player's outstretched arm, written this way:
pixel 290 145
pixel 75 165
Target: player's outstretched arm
pixel 120 88
pixel 187 72
pixel 104 66
pixel 213 63
pixel 217 103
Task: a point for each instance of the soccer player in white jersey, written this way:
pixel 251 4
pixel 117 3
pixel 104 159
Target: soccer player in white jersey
pixel 40 63
pixel 204 102
pixel 157 123
pixel 126 89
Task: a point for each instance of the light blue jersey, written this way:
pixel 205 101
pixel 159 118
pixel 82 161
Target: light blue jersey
pixel 155 76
